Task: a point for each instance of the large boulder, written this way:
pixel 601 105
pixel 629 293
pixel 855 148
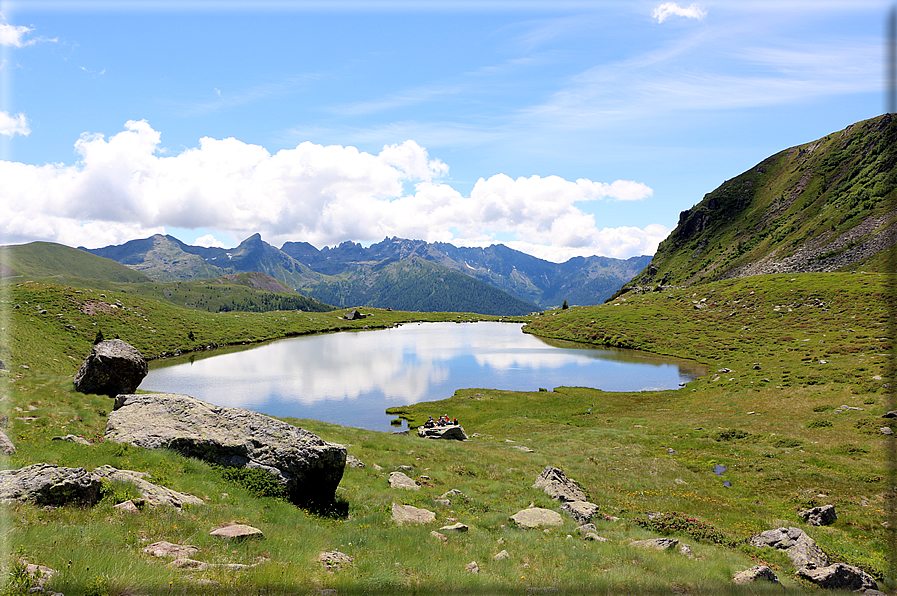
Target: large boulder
pixel 800 548
pixel 112 367
pixel 581 511
pixel 556 485
pixel 46 484
pixel 839 577
pixel 309 467
pixel 452 431
pixel 536 517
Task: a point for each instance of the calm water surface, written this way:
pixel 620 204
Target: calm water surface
pixel 350 378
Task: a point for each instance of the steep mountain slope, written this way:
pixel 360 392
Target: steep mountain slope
pixel 163 258
pixel 828 205
pixel 48 259
pixel 415 284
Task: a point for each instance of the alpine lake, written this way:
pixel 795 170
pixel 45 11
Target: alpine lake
pixel 351 377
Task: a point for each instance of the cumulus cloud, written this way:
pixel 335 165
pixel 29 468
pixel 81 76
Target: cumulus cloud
pixel 13 125
pixel 126 187
pixel 670 9
pixel 209 241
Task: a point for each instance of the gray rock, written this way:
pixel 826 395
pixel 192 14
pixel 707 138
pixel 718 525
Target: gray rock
pixel 586 528
pixel 406 514
pixel 839 577
pixel 153 494
pixel 112 367
pixel 755 573
pixel 6 445
pixel 354 315
pixel 354 462
pixel 453 495
pixel 457 527
pixel 890 414
pixel 656 543
pixel 45 484
pixel 170 550
pixel 334 559
pixel 453 432
pixel 72 439
pixel 536 517
pixel 556 485
pixel 819 516
pixel 886 430
pixel 39 574
pixel 237 532
pixel 581 511
pixel 400 480
pixel 501 555
pixel 309 467
pixel 800 548
pixel 472 567
pixel 595 537
pixel 127 506
pixel 439 536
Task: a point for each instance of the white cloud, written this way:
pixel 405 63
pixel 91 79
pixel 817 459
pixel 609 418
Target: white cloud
pixel 209 241
pixel 126 187
pixel 13 125
pixel 670 9
pixel 13 36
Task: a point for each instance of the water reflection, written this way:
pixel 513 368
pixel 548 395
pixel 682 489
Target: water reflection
pixel 351 377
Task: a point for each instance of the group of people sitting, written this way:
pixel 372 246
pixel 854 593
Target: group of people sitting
pixel 441 421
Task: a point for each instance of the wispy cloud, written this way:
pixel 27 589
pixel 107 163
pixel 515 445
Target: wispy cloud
pixel 14 36
pixel 225 100
pixel 14 125
pixel 671 9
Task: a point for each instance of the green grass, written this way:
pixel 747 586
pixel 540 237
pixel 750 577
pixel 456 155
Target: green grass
pixel 615 445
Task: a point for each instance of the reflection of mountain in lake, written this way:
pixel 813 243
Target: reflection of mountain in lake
pixel 350 378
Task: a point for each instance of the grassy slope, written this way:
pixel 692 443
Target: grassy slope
pixel 614 444
pixel 46 259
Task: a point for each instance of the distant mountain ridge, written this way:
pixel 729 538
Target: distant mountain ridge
pixel 827 205
pixel 348 274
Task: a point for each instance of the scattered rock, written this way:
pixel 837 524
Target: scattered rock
pixel 586 528
pixel 153 494
pixel 354 315
pixel 886 430
pixel 451 496
pixel 472 567
pixel 454 432
pixel 800 548
pixel 523 449
pixel 112 367
pixel 685 550
pixel 536 517
pixel 40 574
pixel 127 506
pixel 501 555
pixel 891 414
pixel 457 527
pixel 354 462
pixel 237 532
pixel 400 480
pixel 839 577
pixel 309 467
pixel 556 485
pixel 406 514
pixel 72 439
pixel 45 484
pixel 755 573
pixel 6 445
pixel 170 550
pixel 595 537
pixel 436 534
pixel 334 559
pixel 581 511
pixel 820 516
pixel 656 543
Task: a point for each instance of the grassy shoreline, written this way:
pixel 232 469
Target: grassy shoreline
pixel 778 430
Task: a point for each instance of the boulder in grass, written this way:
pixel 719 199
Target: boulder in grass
pixel 46 484
pixel 308 467
pixel 820 516
pixel 756 573
pixel 408 514
pixel 581 511
pixel 453 431
pixel 839 577
pixel 237 532
pixel 6 445
pixel 800 548
pixel 112 367
pixel 536 517
pixel 555 483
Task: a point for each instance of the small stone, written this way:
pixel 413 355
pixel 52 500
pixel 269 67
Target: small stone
pixel 334 559
pixel 400 480
pixel 170 550
pixel 127 506
pixel 458 527
pixel 501 555
pixel 407 514
pixel 755 573
pixel 472 567
pixel 436 534
pixel 237 532
pixel 886 430
pixel 595 537
pixel 72 439
pixel 354 462
pixel 535 517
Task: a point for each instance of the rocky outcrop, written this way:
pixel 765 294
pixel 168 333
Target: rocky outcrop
pixel 309 467
pixel 800 548
pixel 581 511
pixel 758 572
pixel 45 484
pixel 820 516
pixel 152 494
pixel 6 445
pixel 454 432
pixel 556 485
pixel 839 577
pixel 112 367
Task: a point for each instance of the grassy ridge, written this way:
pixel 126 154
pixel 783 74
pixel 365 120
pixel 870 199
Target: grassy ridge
pixel 777 429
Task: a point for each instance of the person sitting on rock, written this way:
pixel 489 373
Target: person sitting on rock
pixel 455 421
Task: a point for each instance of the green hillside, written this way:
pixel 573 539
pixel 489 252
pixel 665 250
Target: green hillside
pixel 822 206
pixel 47 259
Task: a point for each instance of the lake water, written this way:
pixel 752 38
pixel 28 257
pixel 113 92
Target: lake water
pixel 350 378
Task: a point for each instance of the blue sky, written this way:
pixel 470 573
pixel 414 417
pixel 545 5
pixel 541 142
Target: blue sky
pixel 558 128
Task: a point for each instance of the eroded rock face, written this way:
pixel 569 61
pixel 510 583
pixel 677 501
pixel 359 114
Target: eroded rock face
pixel 45 484
pixel 556 484
pixel 112 367
pixel 309 467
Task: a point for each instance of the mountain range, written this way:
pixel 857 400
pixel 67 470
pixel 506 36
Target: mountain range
pixel 395 273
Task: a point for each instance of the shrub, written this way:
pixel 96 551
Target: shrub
pixel 787 443
pixel 676 522
pixel 852 449
pixel 259 483
pixel 820 423
pixel 119 491
pixel 823 408
pixel 730 434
